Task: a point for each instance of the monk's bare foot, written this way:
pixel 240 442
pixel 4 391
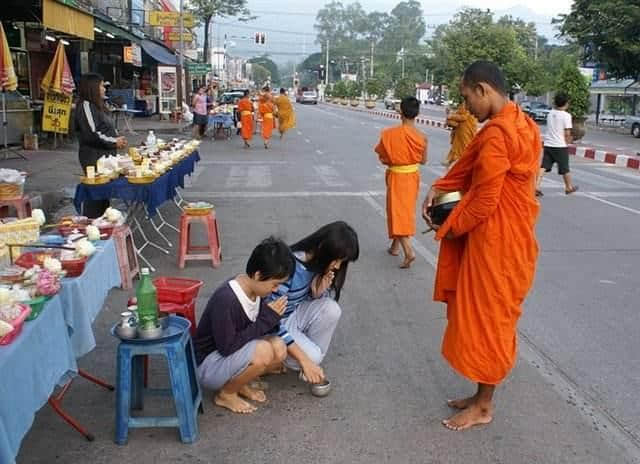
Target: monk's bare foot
pixel 234 403
pixel 393 251
pixel 472 415
pixel 407 262
pixel 463 403
pixel 252 394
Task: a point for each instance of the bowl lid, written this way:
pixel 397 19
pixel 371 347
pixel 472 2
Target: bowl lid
pixel 448 197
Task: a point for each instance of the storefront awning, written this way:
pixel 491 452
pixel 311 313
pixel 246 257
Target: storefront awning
pixel 615 87
pixel 105 26
pixel 159 53
pixel 67 19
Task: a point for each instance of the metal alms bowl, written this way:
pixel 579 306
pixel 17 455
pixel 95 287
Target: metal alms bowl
pixel 442 206
pixel 321 389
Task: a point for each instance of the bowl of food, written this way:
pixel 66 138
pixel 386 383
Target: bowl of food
pixel 442 206
pixel 321 389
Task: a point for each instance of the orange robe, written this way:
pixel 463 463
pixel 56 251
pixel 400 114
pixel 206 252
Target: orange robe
pixel 464 127
pixel 245 108
pixel 485 272
pixel 266 110
pixel 402 148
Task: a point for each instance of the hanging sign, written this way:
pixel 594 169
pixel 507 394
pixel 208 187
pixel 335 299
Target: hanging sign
pixel 170 18
pixel 56 112
pixel 132 54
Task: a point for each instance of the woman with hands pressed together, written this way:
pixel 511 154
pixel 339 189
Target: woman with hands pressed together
pixel 313 291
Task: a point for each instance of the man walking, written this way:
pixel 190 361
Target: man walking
pixel 556 144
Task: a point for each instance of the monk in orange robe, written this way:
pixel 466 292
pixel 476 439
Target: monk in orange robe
pixel 245 108
pixel 266 109
pixel 402 149
pixel 488 251
pixel 464 126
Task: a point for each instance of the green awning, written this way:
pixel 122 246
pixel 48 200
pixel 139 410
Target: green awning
pixel 117 31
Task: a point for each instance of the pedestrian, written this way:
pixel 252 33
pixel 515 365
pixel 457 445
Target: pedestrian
pixel 402 149
pixel 200 113
pixel 556 144
pixel 245 108
pixel 97 134
pixel 313 292
pixel 488 248
pixel 463 129
pixel 232 344
pixel 286 115
pixel 266 110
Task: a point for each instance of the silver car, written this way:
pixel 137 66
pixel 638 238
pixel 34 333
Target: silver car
pixel 309 97
pixel 633 123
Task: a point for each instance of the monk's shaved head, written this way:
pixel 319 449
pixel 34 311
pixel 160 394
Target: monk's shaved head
pixel 485 72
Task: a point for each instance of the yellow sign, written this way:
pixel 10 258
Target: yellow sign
pixel 56 112
pixel 170 18
pixel 175 37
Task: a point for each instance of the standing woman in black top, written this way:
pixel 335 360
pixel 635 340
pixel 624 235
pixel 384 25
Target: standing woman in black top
pixel 96 133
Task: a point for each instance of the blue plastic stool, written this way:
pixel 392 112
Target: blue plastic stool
pixel 176 345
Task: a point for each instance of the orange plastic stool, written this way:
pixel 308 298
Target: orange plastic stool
pixel 22 205
pixel 127 256
pixel 188 311
pixel 213 238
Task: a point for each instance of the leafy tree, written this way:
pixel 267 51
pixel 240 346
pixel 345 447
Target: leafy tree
pixel 406 27
pixel 340 89
pixel 259 74
pixel 573 83
pixel 269 64
pixel 608 31
pixel 405 88
pixel 374 88
pixel 354 89
pixel 206 10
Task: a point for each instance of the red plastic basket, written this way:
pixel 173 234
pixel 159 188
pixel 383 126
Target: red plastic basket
pixel 17 324
pixel 106 230
pixel 177 290
pixel 74 267
pixel 30 258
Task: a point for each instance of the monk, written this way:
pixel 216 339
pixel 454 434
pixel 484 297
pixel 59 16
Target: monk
pixel 245 108
pixel 463 129
pixel 266 109
pixel 286 116
pixel 488 247
pixel 402 149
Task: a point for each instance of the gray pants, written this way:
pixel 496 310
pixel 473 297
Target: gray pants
pixel 216 370
pixel 312 325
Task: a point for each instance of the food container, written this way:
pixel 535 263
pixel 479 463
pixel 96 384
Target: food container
pixel 176 290
pixel 30 258
pixel 37 305
pixel 98 180
pixel 74 267
pixel 17 324
pixel 321 389
pixel 442 206
pixel 198 209
pixel 141 179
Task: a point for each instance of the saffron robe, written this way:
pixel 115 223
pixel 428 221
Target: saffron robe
pixel 401 148
pixel 485 272
pixel 245 108
pixel 268 122
pixel 464 127
pixel 286 115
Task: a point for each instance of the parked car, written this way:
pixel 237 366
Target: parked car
pixel 633 123
pixel 537 111
pixel 231 98
pixel 310 96
pixel 390 103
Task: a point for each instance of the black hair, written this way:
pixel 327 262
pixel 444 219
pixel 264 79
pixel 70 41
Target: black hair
pixel 560 99
pixel 273 258
pixel 89 89
pixel 410 107
pixel 245 93
pixel 336 240
pixel 282 90
pixel 487 72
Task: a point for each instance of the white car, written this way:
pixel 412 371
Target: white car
pixel 309 96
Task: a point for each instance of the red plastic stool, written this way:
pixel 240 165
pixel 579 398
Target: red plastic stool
pixel 213 238
pixel 188 311
pixel 22 205
pixel 127 255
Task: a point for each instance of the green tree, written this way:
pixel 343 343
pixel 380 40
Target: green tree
pixel 573 83
pixel 206 10
pixel 270 65
pixel 405 88
pixel 608 31
pixel 259 74
pixel 340 89
pixel 406 27
pixel 374 88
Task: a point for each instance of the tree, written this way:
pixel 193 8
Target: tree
pixel 270 65
pixel 608 31
pixel 406 27
pixel 206 10
pixel 340 89
pixel 259 74
pixel 576 86
pixel 374 88
pixel 405 88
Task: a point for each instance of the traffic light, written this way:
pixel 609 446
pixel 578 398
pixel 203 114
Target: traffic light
pixel 257 37
pixel 262 37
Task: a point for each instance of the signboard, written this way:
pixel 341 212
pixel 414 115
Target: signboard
pixel 198 68
pixel 56 112
pixel 133 54
pixel 175 36
pixel 170 18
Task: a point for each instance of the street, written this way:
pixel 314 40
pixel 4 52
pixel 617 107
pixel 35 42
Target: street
pixel 570 399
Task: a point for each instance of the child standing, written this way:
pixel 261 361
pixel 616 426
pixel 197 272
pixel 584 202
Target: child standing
pixel 231 343
pixel 311 316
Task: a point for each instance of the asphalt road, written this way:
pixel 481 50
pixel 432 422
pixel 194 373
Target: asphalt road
pixel 570 399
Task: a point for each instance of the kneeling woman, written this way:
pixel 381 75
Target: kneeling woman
pixel 312 292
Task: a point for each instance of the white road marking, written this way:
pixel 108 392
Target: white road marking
pixel 307 140
pixel 609 282
pixel 299 194
pixel 329 175
pixel 237 177
pixel 607 202
pixel 299 132
pixel 319 152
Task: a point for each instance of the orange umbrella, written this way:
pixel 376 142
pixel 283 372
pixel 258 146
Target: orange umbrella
pixel 58 77
pixel 8 79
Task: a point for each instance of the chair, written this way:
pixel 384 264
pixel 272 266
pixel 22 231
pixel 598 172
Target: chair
pixel 188 251
pixel 21 204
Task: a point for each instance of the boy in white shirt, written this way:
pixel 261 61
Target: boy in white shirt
pixel 556 144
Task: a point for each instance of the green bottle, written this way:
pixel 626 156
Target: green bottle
pixel 147 301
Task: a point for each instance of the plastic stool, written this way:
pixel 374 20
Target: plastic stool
pixel 176 345
pixel 188 311
pixel 213 238
pixel 22 205
pixel 127 255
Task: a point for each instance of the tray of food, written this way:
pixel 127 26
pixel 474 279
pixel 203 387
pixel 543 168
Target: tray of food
pixel 198 208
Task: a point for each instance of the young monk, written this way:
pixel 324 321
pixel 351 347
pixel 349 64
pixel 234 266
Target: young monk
pixel 402 149
pixel 245 108
pixel 463 129
pixel 488 251
pixel 286 116
pixel 266 110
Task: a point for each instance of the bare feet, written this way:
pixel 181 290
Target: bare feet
pixel 233 402
pixel 246 144
pixel 474 414
pixel 463 403
pixel 407 262
pixel 571 190
pixel 393 251
pixel 252 394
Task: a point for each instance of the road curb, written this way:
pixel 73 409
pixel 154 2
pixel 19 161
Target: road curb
pixel 624 161
pixel 392 115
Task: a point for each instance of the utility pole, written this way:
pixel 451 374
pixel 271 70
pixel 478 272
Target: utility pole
pixel 326 68
pixel 371 68
pixel 179 68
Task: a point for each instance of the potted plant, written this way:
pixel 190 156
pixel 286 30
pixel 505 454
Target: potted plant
pixel 374 89
pixel 340 91
pixel 353 92
pixel 576 86
pixel 404 88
